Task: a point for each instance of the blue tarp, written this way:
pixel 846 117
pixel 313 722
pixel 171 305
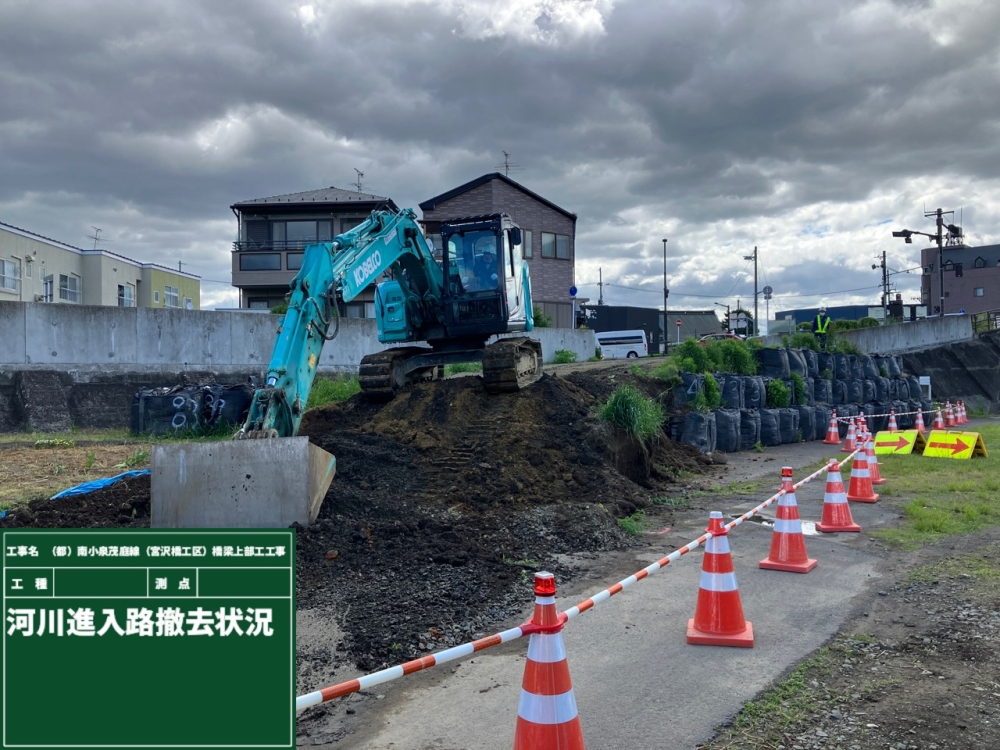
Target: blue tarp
pixel 97 484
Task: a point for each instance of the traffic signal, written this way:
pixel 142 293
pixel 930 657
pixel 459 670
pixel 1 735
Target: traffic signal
pixel 725 322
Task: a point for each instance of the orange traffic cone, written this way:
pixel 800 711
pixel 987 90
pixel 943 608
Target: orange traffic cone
pixel 938 421
pixel 873 470
pixel 850 445
pixel 962 418
pixel 832 433
pixel 718 618
pixel 836 510
pixel 788 544
pixel 546 715
pixel 949 415
pixel 861 490
pixel 892 421
pixel 919 426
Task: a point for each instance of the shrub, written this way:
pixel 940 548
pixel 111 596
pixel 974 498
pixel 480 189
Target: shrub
pixel 713 397
pixel 564 357
pixel 737 357
pixel 633 524
pixel 868 323
pixel 667 371
pixel 332 390
pixel 798 389
pixel 803 341
pixel 541 319
pixel 629 410
pixel 460 367
pixel 280 309
pixel 778 395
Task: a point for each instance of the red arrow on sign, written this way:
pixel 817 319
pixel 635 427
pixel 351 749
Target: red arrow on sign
pixel 898 443
pixel 957 447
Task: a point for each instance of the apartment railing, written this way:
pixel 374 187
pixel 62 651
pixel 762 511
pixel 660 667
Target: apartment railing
pixel 986 321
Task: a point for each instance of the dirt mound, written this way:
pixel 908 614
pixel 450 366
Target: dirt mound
pixel 444 503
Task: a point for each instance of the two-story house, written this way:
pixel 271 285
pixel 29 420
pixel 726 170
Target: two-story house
pixel 274 231
pixel 35 268
pixel 549 232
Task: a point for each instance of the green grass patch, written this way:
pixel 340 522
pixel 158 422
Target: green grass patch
pixel 460 367
pixel 332 391
pixel 973 566
pixel 629 410
pixel 633 524
pixel 946 497
pixel 564 357
pixel 119 434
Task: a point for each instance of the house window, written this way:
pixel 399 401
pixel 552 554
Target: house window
pixel 324 231
pixel 259 304
pixel 69 288
pixel 979 263
pixel 978 291
pixel 27 268
pixel 300 233
pixel 347 225
pixel 126 295
pixel 293 261
pixel 555 246
pixel 260 261
pixel 171 296
pixel 525 243
pixel 188 304
pixel 47 289
pixel 156 296
pixel 8 275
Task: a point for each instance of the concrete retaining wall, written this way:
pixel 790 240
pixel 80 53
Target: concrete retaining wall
pixel 903 337
pixel 103 355
pixel 968 370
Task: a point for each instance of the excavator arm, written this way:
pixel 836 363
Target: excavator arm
pixel 332 271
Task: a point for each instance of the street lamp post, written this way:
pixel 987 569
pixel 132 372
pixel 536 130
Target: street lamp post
pixel 938 237
pixel 665 294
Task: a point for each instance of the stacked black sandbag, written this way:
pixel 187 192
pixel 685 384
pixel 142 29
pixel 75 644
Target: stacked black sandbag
pixel 812 363
pixel 699 430
pixel 854 363
pixel 841 367
pixel 823 390
pixel 731 390
pixel 855 391
pixel 869 368
pixel 773 363
pixel 691 386
pixel 770 433
pixel 808 424
pixel 749 428
pixel 788 424
pixel 797 363
pixel 754 394
pixel 727 430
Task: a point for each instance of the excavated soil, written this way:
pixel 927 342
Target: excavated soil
pixel 442 499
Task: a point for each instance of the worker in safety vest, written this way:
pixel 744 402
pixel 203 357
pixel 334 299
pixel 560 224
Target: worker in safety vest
pixel 820 328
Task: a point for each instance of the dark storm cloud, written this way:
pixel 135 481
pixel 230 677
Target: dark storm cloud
pixel 700 119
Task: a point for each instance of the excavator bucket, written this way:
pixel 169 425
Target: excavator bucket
pixel 239 484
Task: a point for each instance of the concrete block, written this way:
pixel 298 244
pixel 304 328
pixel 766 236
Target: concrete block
pixel 12 338
pixel 239 484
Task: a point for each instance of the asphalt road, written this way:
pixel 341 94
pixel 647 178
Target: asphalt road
pixel 638 684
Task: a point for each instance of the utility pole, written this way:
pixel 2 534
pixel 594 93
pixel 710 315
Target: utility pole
pixel 755 293
pixel 666 292
pixel 940 243
pixel 600 284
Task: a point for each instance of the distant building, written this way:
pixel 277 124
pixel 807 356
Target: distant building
pixel 971 279
pixel 549 234
pixel 785 321
pixel 274 231
pixel 34 268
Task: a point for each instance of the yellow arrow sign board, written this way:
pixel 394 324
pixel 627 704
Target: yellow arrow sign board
pixel 944 444
pixel 900 443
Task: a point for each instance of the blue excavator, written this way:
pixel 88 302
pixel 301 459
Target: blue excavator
pixel 430 313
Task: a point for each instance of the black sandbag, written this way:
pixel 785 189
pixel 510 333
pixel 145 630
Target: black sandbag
pixel 857 371
pixel 697 430
pixel 691 385
pixel 841 368
pixel 227 404
pixel 773 363
pixel 159 411
pixel 868 388
pixel 913 387
pixel 869 410
pixel 912 406
pixel 881 389
pixel 826 365
pixel 749 428
pixel 894 366
pixel 823 414
pixel 796 363
pixel 868 367
pixel 890 389
pixel 812 362
pixel 838 392
pixel 788 425
pixel 754 395
pixel 901 408
pixel 727 430
pixel 844 414
pixel 731 390
pixel 810 388
pixel 855 392
pixel 770 433
pixel 823 390
pixel 902 389
pixel 807 422
pixel 878 420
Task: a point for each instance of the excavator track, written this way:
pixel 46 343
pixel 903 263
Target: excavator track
pixel 511 364
pixel 383 374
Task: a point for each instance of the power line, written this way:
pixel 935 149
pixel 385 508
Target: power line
pixel 716 296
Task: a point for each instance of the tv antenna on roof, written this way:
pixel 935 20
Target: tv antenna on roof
pixel 96 236
pixel 507 166
pixel 360 175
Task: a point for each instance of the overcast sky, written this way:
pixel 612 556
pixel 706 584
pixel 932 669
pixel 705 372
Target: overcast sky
pixel 808 129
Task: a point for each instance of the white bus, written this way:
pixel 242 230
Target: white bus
pixel 622 344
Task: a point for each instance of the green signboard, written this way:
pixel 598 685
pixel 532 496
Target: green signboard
pixel 150 638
